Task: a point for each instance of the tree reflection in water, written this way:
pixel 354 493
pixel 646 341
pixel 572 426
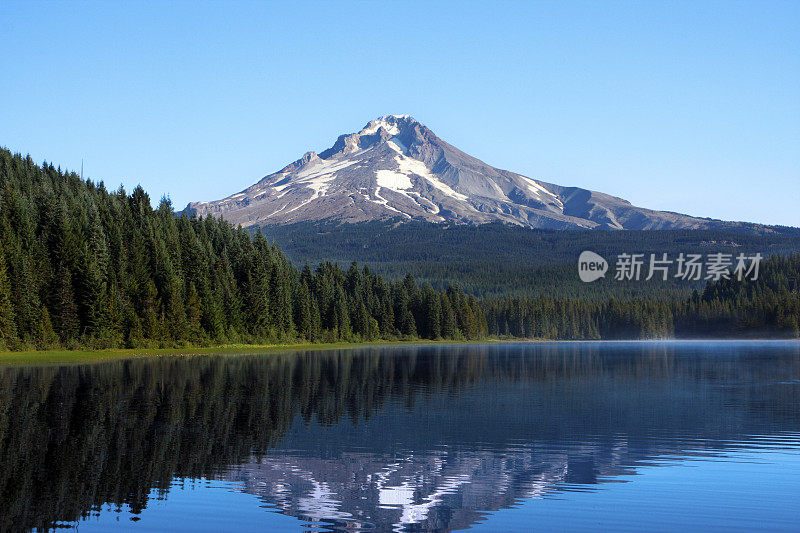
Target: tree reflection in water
pixel 435 436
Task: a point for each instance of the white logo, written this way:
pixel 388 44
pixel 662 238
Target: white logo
pixel 630 267
pixel 591 266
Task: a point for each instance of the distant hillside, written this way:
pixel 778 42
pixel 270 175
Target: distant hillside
pixel 501 259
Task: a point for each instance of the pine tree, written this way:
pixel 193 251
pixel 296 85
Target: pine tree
pixel 432 310
pixel 151 325
pixel 65 311
pixel 44 336
pixel 303 312
pixel 194 314
pixel 8 328
pixel 341 315
pixel 449 328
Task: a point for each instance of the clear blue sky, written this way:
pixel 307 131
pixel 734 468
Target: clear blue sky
pixel 685 106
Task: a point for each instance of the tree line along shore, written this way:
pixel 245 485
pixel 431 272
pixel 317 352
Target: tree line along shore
pixel 82 267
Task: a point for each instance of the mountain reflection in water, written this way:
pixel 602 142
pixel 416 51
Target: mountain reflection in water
pixel 419 438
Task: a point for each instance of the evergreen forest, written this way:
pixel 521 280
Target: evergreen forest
pixel 82 266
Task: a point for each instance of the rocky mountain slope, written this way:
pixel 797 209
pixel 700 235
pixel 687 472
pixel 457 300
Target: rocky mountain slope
pixel 397 168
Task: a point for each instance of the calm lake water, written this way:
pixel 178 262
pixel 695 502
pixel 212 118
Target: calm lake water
pixel 500 437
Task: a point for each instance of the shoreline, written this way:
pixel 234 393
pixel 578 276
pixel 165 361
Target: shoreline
pixel 47 357
pixel 66 357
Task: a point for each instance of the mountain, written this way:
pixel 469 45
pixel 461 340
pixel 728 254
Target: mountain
pixel 397 168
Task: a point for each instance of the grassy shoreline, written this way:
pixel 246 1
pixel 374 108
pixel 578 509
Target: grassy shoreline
pixel 90 356
pixel 47 357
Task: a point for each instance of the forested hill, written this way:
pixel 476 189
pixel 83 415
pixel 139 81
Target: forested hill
pixel 768 307
pixel 84 266
pixel 501 260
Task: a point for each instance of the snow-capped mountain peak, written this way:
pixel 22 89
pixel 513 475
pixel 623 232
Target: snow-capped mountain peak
pixel 390 123
pixel 397 168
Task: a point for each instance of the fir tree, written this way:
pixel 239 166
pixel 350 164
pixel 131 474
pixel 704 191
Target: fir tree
pixel 8 328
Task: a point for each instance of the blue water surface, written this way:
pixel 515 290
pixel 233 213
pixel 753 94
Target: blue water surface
pixel 657 436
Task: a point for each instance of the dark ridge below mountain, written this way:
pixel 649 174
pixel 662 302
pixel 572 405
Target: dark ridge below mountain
pixel 501 259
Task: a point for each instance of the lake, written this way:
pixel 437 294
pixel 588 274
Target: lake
pixel 657 436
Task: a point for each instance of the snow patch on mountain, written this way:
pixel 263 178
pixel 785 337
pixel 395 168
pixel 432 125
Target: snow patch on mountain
pixel 393 180
pixel 412 166
pixel 375 125
pixel 322 169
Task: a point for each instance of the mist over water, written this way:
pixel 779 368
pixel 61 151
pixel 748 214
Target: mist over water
pixel 553 436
